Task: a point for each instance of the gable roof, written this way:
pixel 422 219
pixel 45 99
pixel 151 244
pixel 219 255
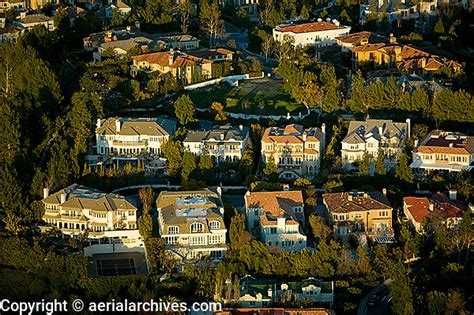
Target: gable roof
pixel 358 131
pixel 293 133
pixel 227 133
pixel 359 37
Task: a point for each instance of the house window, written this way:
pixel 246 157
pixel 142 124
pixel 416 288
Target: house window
pixel 173 230
pixel 215 225
pixel 273 230
pixel 197 227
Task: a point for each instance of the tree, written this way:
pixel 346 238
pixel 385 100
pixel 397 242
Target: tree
pixel 146 198
pixel 173 152
pixel 304 12
pixel 364 166
pixel 246 163
pixel 402 296
pixel 363 260
pixel 210 19
pixel 403 171
pixel 380 168
pixel 188 165
pixel 184 10
pixel 439 27
pixel 319 228
pixel 267 46
pixel 271 169
pixel 344 17
pixel 358 101
pixel 184 110
pixel 145 225
pixel 156 11
pixel 221 115
pixel 436 302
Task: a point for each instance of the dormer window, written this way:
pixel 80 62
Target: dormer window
pixel 197 227
pixel 173 230
pixel 214 225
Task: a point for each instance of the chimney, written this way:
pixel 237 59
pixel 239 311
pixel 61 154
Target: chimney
pixel 380 130
pixel 408 121
pixel 129 28
pixel 286 187
pixel 221 210
pixel 241 127
pixel 453 194
pixel 22 15
pixel 171 56
pixel 323 128
pixel 349 197
pixel 98 123
pixel 117 125
pixel 320 19
pixel 63 198
pixel 45 192
pixel 416 143
pixel 219 191
pixel 222 136
pixel 366 195
pixel 305 135
pixel 431 206
pixel 451 145
pixel 384 192
pixel 270 292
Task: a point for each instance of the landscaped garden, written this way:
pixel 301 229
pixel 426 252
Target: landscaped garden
pixel 259 96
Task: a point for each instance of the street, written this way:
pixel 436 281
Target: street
pixel 377 301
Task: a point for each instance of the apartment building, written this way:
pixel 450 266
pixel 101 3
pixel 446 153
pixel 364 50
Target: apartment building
pixel 444 151
pixel 374 135
pixel 182 66
pixel 223 144
pixel 132 136
pixel 276 218
pixel 192 223
pixel 448 210
pixel 352 212
pixel 296 151
pixel 319 34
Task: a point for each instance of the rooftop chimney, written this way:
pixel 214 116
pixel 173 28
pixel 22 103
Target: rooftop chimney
pixel 393 39
pixel 323 128
pixel 63 198
pixel 384 192
pixel 241 127
pixel 380 130
pixel 416 143
pixel 305 135
pixel 98 123
pixel 453 194
pixel 431 206
pixel 129 28
pixel 45 192
pixel 408 121
pixel 219 191
pixel 117 125
pixel 451 145
pixel 286 187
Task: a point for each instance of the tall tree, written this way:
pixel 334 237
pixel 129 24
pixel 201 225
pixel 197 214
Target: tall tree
pixel 188 165
pixel 184 10
pixel 364 165
pixel 380 168
pixel 173 152
pixel 319 228
pixel 210 19
pixel 403 171
pixel 402 296
pixel 184 110
pixel 157 11
pixel 271 169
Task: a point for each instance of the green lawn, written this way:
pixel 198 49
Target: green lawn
pixel 260 96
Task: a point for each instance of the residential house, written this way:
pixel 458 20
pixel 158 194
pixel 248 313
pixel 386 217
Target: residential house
pixel 296 151
pixel 182 66
pixel 354 212
pixel 132 136
pixel 392 55
pixel 259 293
pixel 108 220
pixel 123 8
pixel 40 4
pixel 393 11
pixel 223 144
pixel 373 136
pixel 317 34
pixel 214 54
pixel 448 210
pixel 10 34
pixel 16 5
pixel 346 42
pixel 161 40
pixel 444 151
pixel 120 48
pixel 276 218
pixel 27 22
pixel 192 223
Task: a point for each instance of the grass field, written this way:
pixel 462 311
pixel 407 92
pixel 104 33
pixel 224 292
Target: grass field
pixel 260 96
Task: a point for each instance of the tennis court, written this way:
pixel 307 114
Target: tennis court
pixel 118 264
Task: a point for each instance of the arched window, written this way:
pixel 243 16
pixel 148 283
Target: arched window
pixel 197 227
pixel 215 225
pixel 173 229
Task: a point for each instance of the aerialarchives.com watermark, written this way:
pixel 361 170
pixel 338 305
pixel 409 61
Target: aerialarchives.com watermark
pixel 56 306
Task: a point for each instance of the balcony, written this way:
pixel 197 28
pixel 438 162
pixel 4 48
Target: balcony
pixel 140 143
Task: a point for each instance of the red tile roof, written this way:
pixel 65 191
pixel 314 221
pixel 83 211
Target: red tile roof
pixel 418 207
pixel 308 27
